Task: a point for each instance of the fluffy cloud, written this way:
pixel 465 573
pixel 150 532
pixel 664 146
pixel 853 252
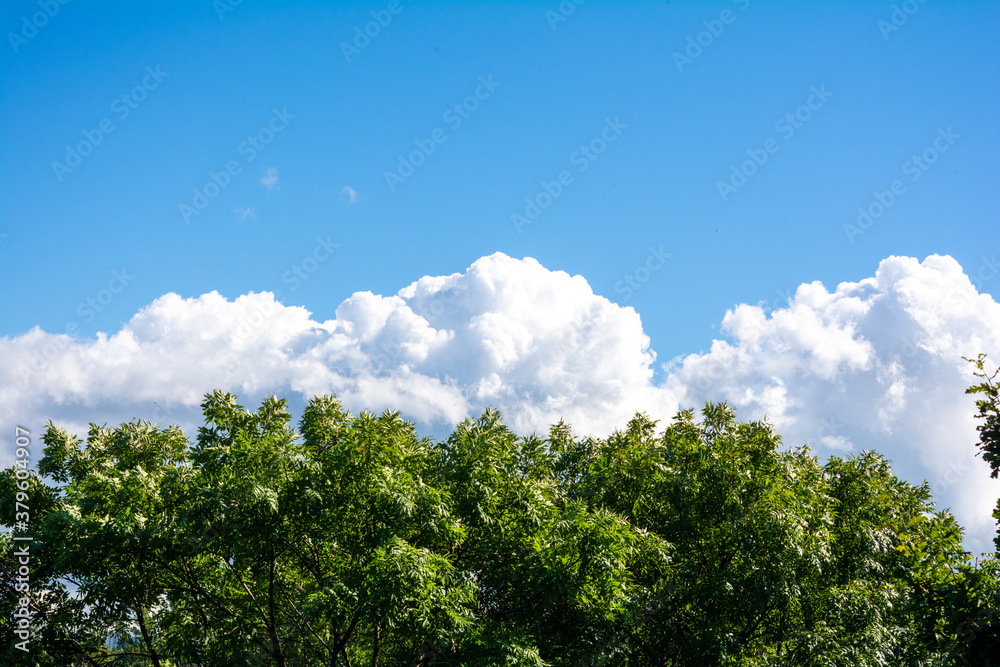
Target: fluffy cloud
pixel 872 365
pixel 875 364
pixel 537 344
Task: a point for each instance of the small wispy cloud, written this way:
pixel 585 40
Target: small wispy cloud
pixel 271 179
pixel 245 213
pixel 351 194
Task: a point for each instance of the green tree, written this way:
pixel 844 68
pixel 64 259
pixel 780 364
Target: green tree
pixel 776 559
pixel 59 625
pixel 989 430
pixel 99 533
pixel 356 542
pixel 325 551
pixel 551 573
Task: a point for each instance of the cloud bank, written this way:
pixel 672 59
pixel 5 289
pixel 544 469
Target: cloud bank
pixel 874 364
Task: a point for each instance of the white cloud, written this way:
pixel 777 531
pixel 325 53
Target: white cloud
pixel 351 194
pixel 245 213
pixel 271 179
pixel 874 364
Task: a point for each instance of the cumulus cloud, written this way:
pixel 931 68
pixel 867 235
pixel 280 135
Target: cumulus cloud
pixel 875 364
pixel 871 365
pixel 538 344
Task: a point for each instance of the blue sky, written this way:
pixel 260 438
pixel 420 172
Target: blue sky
pixel 656 185
pixel 644 111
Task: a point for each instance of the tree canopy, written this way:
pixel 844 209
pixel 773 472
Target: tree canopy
pixel 354 541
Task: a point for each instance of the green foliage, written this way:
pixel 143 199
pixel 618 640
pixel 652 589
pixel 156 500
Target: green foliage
pixel 355 542
pixel 989 430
